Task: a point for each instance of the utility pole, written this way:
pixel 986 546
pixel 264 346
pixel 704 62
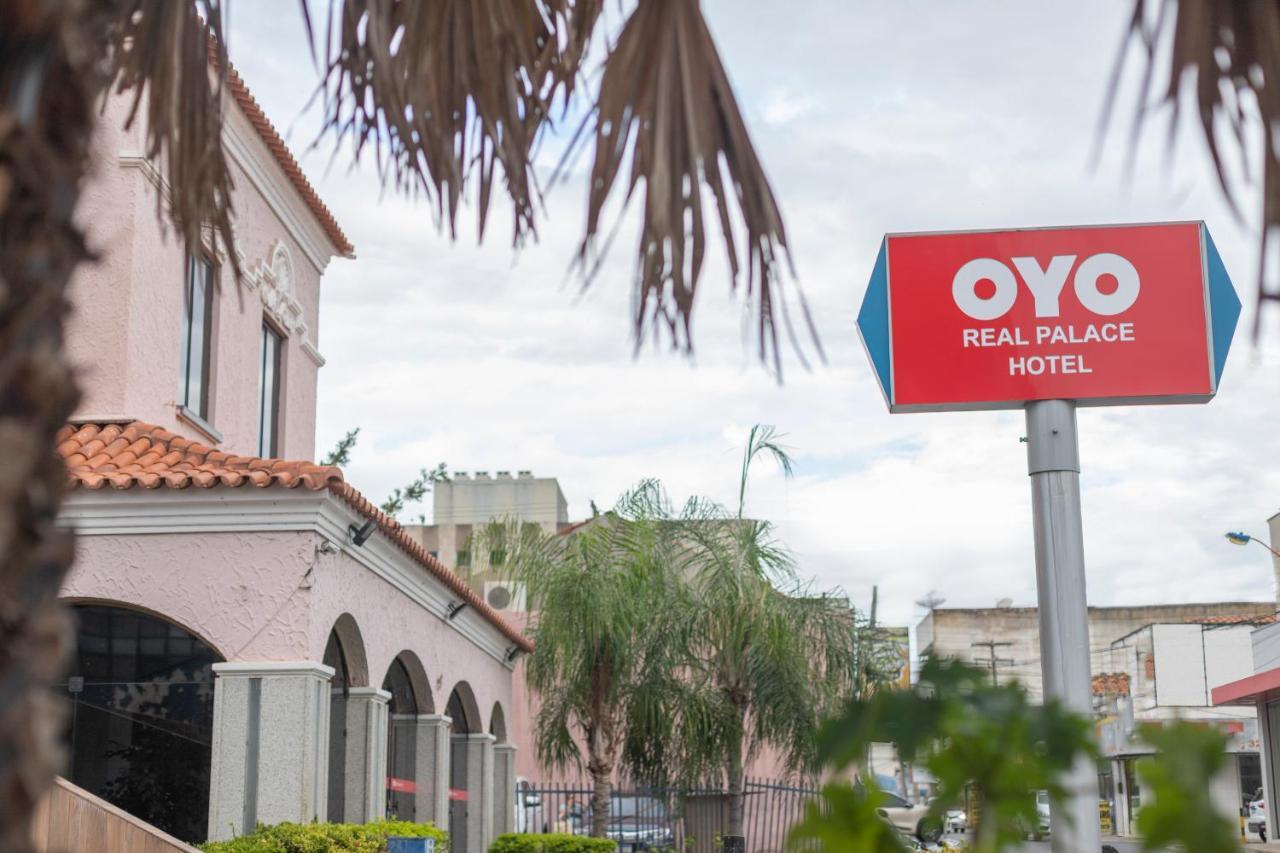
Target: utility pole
pixel 992 660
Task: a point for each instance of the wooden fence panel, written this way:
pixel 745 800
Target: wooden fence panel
pixel 71 820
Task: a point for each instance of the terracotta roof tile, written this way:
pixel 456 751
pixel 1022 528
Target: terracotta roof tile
pixel 1235 619
pixel 142 455
pixel 283 156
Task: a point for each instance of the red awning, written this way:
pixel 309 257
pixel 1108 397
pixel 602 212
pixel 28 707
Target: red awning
pixel 1246 691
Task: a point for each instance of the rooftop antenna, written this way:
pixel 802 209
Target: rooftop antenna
pixel 931 601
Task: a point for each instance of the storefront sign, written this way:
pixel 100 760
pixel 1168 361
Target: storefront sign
pixel 1101 315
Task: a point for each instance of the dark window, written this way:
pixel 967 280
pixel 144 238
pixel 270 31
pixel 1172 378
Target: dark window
pixel 142 717
pixel 197 333
pixel 269 392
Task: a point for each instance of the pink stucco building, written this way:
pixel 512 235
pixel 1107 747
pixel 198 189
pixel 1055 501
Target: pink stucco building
pixel 257 642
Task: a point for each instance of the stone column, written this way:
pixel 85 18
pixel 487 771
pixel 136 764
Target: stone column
pixel 364 777
pixel 427 735
pixel 474 756
pixel 504 788
pixel 270 745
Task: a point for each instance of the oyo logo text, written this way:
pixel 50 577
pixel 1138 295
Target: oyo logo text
pixel 1045 285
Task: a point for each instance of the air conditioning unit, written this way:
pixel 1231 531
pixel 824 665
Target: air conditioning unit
pixel 505 596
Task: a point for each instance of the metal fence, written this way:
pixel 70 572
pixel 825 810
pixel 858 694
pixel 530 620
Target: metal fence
pixel 691 820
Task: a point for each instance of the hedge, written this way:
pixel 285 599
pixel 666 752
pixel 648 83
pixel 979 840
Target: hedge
pixel 327 838
pixel 525 842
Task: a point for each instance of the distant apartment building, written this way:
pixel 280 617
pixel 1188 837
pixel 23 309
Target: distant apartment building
pixel 468 501
pixel 1005 640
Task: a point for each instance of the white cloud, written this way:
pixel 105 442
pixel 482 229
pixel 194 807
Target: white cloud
pixel 870 118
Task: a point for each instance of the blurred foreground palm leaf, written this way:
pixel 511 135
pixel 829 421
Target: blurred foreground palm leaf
pixel 160 53
pixel 1180 812
pixel 456 94
pixel 1225 55
pixel 667 108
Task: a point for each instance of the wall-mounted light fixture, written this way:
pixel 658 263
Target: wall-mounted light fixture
pixel 360 533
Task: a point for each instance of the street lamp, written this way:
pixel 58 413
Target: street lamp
pixel 1238 538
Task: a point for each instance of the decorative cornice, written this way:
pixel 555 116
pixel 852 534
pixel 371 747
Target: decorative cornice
pixel 99 512
pixel 140 161
pixel 373 694
pixel 238 141
pixel 313 353
pixel 273 279
pixel 272 669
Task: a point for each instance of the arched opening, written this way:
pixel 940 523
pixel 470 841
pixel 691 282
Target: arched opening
pixel 344 651
pixel 141 728
pixel 463 710
pixel 464 714
pixel 498 724
pixel 406 681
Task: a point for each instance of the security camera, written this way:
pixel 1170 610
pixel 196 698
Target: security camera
pixel 361 534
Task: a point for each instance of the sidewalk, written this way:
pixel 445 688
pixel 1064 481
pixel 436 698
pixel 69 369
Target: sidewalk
pixel 1258 845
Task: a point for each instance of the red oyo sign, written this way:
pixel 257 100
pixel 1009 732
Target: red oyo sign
pixel 1100 315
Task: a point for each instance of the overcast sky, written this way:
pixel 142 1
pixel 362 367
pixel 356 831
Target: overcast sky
pixel 870 118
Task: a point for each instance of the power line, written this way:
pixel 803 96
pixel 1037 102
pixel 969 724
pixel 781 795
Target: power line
pixel 992 660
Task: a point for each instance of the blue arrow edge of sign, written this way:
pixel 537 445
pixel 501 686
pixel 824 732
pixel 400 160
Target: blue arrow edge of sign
pixel 1224 305
pixel 873 321
pixel 873 317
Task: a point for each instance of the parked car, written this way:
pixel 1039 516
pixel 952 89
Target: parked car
pixel 1257 816
pixel 912 819
pixel 1044 823
pixel 528 805
pixel 956 820
pixel 639 823
pixel 636 823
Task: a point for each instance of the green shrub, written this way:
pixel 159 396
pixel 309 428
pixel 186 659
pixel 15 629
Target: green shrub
pixel 327 838
pixel 522 842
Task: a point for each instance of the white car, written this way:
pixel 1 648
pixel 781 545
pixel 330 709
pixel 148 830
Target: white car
pixel 528 807
pixel 1044 826
pixel 912 819
pixel 956 820
pixel 1257 820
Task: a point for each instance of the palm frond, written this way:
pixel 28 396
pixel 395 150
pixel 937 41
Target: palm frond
pixel 763 439
pixel 162 54
pixel 1225 54
pixel 448 92
pixel 667 109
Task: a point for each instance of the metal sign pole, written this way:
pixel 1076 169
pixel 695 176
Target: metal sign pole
pixel 1053 461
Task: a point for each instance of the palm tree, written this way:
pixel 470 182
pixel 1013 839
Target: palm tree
pixel 775 657
pixel 604 604
pixel 444 95
pixel 1223 56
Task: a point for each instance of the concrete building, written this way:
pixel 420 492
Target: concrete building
pixel 466 502
pixel 1165 672
pixel 1011 635
pixel 1260 691
pixel 257 642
